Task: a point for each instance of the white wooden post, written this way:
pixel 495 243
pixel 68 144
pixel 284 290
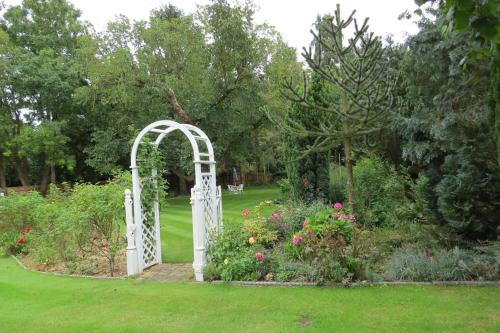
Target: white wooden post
pixel 132 259
pixel 198 232
pixel 219 209
pixel 137 216
pixel 157 219
pixel 213 199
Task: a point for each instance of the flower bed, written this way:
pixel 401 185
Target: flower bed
pixel 314 243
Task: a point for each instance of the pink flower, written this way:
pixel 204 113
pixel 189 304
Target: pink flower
pixel 305 224
pixel 245 212
pixel 296 240
pixel 259 256
pixel 305 181
pixel 337 205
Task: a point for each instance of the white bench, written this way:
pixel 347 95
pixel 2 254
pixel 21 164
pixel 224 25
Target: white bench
pixel 235 188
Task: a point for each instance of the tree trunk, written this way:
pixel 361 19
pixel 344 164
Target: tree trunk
pixel 44 184
pixel 182 186
pixel 52 173
pixel 183 180
pixel 350 175
pixel 3 181
pixel 178 110
pixel 22 171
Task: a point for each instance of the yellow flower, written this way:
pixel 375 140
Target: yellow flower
pixel 252 240
pixel 226 261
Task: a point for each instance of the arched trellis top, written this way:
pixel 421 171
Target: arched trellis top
pixel 165 127
pixel 144 246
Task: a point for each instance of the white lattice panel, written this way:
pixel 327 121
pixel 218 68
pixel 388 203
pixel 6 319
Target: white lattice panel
pixel 149 245
pixel 208 202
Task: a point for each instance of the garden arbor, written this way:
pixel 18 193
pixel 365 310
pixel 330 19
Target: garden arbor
pixel 143 239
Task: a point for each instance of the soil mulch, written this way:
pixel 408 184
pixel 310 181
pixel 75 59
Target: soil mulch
pixel 165 272
pixel 94 266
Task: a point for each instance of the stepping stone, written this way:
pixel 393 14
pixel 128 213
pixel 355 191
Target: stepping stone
pixel 166 272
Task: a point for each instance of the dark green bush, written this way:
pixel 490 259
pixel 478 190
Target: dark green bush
pixel 378 192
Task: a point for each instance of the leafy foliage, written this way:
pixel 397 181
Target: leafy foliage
pixel 73 227
pixel 359 85
pixel 447 134
pixel 379 191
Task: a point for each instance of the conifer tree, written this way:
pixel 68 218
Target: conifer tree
pixel 362 81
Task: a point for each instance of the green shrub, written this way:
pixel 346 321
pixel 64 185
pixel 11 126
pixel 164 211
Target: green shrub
pixel 54 240
pixel 232 257
pixel 99 214
pixel 338 179
pixel 290 218
pixel 295 271
pixel 17 212
pixel 286 188
pixel 72 226
pixel 378 192
pixel 332 246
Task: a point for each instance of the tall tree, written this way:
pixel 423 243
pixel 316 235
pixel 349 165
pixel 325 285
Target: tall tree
pixel 211 74
pixel 358 69
pixel 44 35
pixel 447 132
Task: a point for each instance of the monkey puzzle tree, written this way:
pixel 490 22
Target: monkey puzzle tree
pixel 361 95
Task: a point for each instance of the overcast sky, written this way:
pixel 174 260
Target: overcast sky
pixel 292 18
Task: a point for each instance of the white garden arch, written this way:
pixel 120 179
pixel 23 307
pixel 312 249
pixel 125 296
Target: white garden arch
pixel 143 241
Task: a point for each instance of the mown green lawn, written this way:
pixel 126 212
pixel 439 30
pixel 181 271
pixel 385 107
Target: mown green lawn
pixel 35 302
pixel 177 229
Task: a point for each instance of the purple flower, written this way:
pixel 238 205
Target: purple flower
pixel 296 240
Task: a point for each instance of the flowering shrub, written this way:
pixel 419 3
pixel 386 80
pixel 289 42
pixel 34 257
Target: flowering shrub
pixel 17 211
pixel 235 257
pixel 73 227
pixel 256 229
pixel 336 220
pixel 22 245
pixel 257 232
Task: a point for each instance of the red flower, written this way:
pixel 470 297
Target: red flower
pixel 26 230
pixel 305 181
pixel 259 256
pixel 245 212
pixel 20 241
pixel 105 245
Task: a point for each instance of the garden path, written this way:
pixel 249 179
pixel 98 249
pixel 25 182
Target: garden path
pixel 167 272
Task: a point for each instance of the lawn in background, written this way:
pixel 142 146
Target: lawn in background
pixel 177 228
